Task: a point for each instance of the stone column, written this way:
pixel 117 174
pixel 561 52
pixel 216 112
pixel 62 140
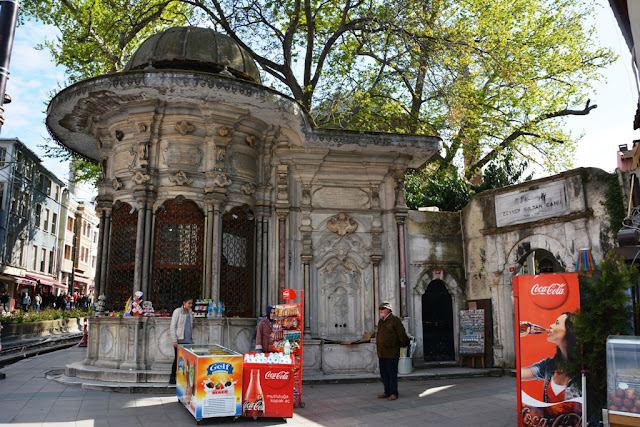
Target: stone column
pixel 258 303
pixel 146 262
pixel 137 274
pixel 208 257
pixel 217 247
pixel 106 245
pixel 282 212
pixel 100 212
pixel 402 269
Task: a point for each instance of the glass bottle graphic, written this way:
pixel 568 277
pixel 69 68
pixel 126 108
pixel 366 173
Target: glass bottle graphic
pixel 253 405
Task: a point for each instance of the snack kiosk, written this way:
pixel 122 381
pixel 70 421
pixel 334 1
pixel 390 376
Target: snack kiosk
pixel 623 381
pixel 209 380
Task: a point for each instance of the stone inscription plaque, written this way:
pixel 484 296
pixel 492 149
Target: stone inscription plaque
pixel 341 198
pixel 532 204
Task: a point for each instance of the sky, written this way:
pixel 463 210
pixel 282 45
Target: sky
pixel 33 77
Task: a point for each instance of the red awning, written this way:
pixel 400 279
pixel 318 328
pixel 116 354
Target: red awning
pixel 46 280
pixel 23 281
pixel 82 279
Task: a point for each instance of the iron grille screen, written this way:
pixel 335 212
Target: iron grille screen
pixel 122 256
pixel 178 253
pixel 236 264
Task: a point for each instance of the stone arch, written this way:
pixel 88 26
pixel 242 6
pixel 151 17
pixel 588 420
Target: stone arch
pixel 537 241
pixel 458 301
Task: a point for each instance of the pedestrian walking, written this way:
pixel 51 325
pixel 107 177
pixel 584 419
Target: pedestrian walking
pixel 4 300
pixel 37 302
pixel 390 338
pixel 26 301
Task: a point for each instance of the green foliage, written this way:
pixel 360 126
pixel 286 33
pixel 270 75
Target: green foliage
pixel 435 187
pixel 605 309
pixel 484 76
pixel 20 316
pixel 614 203
pixel 449 191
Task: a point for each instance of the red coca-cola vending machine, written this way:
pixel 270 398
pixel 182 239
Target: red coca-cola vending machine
pixel 267 388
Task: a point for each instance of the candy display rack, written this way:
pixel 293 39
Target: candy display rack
pixel 289 323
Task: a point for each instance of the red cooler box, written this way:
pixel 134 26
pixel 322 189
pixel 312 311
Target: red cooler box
pixel 267 390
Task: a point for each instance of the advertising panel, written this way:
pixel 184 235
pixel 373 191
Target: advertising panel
pixel 545 307
pixel 209 381
pixel 268 390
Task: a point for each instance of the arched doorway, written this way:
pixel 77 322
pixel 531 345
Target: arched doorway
pixel 539 261
pixel 437 323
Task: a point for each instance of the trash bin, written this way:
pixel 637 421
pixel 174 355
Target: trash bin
pixel 405 366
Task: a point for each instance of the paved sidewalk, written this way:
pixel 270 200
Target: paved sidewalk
pixel 29 398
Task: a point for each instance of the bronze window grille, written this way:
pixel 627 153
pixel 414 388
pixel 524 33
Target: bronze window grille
pixel 178 253
pixel 122 256
pixel 237 262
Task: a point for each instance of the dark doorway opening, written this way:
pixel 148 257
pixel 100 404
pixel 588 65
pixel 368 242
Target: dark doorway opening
pixel 437 323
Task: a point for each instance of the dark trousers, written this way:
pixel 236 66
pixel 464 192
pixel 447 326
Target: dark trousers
pixel 172 377
pixel 389 375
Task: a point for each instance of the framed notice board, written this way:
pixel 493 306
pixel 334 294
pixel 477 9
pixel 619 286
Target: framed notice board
pixel 472 332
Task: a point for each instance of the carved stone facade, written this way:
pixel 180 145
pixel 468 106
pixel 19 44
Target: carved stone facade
pixel 192 153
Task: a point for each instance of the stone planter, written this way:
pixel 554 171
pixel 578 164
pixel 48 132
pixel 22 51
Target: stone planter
pixel 45 328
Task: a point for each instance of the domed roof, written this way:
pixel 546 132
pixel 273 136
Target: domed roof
pixel 197 49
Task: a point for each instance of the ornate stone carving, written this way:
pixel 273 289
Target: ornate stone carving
pixel 184 127
pixel 182 155
pixel 221 180
pixel 180 178
pixel 251 140
pixel 283 173
pixel 306 194
pixel 143 152
pixel 134 162
pixel 248 188
pixel 142 127
pixel 140 177
pixel 223 131
pixel 221 153
pixel 117 184
pixel 342 224
pixel 103 167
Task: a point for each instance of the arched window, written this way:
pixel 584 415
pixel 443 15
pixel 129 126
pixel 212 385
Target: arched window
pixel 122 256
pixel 178 253
pixel 237 262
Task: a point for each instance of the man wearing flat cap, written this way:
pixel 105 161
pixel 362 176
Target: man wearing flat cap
pixel 390 338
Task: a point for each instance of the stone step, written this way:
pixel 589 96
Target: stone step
pixel 127 376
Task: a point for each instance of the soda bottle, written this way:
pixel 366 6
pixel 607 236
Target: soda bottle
pixel 253 405
pixel 527 328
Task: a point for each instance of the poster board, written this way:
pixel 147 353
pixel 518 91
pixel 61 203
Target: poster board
pixel 545 306
pixel 471 332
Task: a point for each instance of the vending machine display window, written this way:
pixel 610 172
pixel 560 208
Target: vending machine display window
pixel 623 376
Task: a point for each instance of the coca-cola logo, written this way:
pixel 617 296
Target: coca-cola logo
pixel 277 379
pixel 549 291
pixel 258 405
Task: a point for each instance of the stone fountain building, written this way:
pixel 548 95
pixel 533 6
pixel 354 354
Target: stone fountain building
pixel 218 187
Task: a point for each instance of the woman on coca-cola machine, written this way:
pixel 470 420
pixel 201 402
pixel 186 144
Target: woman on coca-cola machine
pixel 558 385
pixel 264 334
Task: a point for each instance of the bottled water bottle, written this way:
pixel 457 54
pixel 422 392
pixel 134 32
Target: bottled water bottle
pixel 287 348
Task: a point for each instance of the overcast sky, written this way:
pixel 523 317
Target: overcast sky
pixel 33 77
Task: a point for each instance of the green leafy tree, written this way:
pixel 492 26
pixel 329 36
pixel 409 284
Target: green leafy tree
pixel 483 75
pixel 605 309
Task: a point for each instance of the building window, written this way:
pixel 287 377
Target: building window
pixel 25 205
pixel 56 194
pixel 21 249
pixel 28 172
pixel 67 252
pixel 49 183
pixel 11 238
pixel 35 258
pixel 43 259
pixel 50 270
pixel 14 200
pixel 69 223
pixel 93 262
pixel 3 156
pixel 38 214
pixel 41 180
pixel 19 163
pixel 46 219
pixel 54 223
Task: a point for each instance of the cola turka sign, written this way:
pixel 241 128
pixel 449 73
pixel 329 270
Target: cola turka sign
pixel 545 311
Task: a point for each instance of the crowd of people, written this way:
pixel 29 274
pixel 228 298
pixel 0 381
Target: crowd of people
pixel 34 301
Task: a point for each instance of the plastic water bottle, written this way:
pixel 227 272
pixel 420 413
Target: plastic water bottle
pixel 209 310
pixel 287 348
pixel 213 308
pixel 220 308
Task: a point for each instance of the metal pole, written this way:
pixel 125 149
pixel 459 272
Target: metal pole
pixel 8 19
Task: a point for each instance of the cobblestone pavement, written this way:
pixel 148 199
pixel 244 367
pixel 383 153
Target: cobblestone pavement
pixel 29 398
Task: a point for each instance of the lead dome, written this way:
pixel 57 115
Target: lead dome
pixel 196 49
